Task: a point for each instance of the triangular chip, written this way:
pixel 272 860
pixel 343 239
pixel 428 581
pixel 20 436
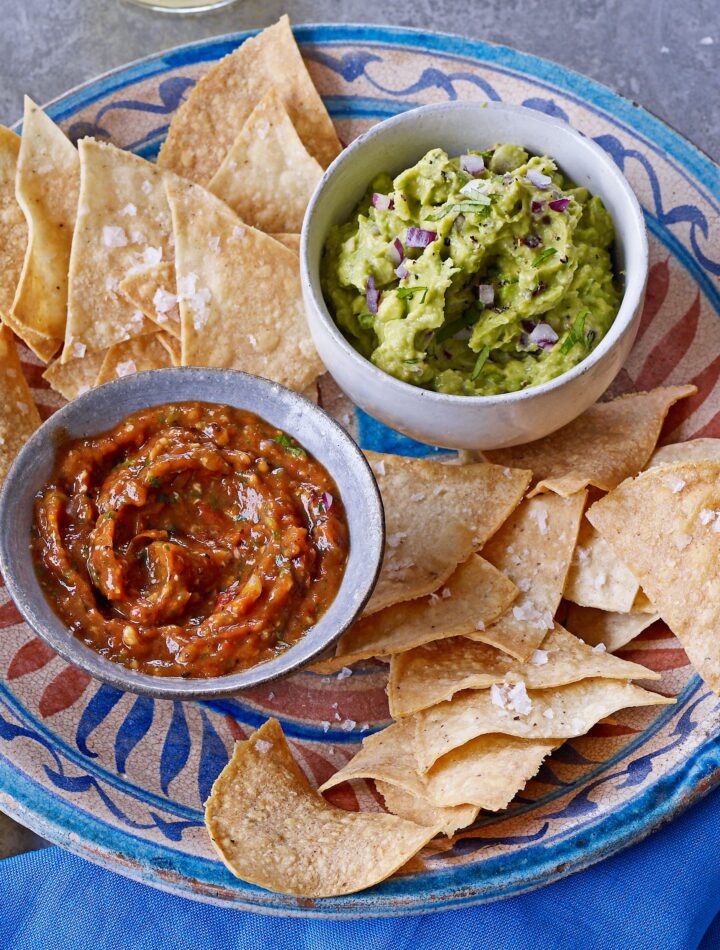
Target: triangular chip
pixel 606 444
pixel 690 451
pixel 44 347
pixel 596 577
pixel 558 713
pixel 435 516
pixel 134 356
pixel 123 225
pixel 18 414
pixel 613 630
pixel 400 802
pixel 475 593
pixel 291 241
pixel 434 673
pixel 239 290
pixel 76 377
pixel 534 549
pixel 48 182
pixel 268 176
pixel 272 829
pixel 153 291
pixel 664 526
pixel 13 227
pixel 487 772
pixel 205 127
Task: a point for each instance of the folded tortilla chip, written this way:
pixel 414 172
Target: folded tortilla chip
pixel 691 451
pixel 268 176
pixel 664 526
pixel 558 713
pixel 432 674
pixel 606 444
pixel 533 548
pixel 596 577
pixel 153 291
pixel 134 356
pixel 475 592
pixel 272 829
pixel 76 377
pixel 487 772
pixel 19 417
pixel 205 126
pixel 47 186
pixel 449 820
pixel 123 225
pixel 435 516
pixel 613 630
pixel 239 291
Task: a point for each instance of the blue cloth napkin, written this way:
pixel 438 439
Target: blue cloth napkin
pixel 662 894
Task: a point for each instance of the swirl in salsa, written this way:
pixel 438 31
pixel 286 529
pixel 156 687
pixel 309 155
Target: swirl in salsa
pixel 191 540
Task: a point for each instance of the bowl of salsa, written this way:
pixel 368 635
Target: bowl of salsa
pixel 190 532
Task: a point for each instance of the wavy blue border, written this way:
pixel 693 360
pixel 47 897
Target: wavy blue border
pixel 91 837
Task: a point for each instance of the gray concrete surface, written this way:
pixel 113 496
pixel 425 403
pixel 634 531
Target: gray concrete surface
pixel 660 53
pixel 651 51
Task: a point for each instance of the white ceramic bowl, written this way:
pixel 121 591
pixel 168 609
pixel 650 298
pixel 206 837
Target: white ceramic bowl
pixel 473 422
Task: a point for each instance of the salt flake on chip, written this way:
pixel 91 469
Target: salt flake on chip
pixel 114 236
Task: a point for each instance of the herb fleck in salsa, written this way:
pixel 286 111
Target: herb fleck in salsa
pixel 192 539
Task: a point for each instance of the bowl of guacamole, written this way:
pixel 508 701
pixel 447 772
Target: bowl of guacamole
pixel 473 273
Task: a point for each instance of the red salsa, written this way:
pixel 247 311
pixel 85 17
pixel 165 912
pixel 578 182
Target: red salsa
pixel 191 540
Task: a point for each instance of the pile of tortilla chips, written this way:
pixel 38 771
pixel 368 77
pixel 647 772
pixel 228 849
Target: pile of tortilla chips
pixel 113 264
pixel 482 562
pixel 506 585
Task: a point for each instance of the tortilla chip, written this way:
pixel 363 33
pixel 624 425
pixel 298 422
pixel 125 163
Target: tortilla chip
pixel 487 772
pixel 558 713
pixel 435 516
pixel 596 577
pixel 411 807
pixel 172 347
pixel 641 604
pixel 204 128
pixel 534 549
pixel 19 417
pixel 694 450
pixel 272 829
pixel 268 176
pixel 123 225
pixel 291 241
pixel 613 630
pixel 44 347
pixel 48 182
pixel 664 526
pixel 13 227
pixel 153 291
pixel 605 445
pixel 76 377
pixel 434 673
pixel 240 301
pixel 475 592
pixel 133 356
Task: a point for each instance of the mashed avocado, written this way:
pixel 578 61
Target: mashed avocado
pixel 476 275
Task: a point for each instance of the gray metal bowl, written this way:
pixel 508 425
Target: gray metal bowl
pixel 100 410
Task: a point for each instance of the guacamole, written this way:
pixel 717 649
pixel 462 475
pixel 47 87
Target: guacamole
pixel 482 274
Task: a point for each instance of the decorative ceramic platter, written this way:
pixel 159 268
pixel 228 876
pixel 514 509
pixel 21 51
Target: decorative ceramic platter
pixel 121 779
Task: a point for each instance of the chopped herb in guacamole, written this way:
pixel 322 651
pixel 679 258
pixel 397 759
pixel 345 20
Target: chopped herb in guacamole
pixel 476 275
